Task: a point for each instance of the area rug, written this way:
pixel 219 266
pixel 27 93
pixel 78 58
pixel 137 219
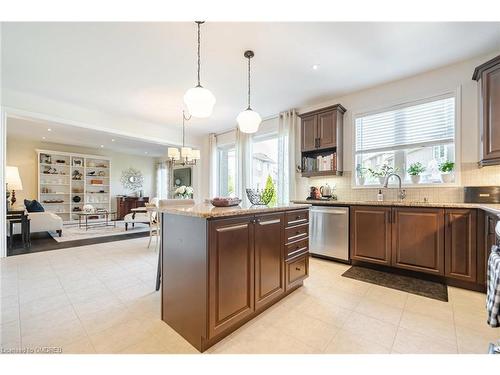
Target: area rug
pixel 408 284
pixel 71 232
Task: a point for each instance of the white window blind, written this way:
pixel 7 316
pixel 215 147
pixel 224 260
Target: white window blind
pixel 424 124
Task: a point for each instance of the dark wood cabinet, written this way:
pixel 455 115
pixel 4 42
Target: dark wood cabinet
pixel 486 240
pixel 322 135
pixel 297 269
pixel 371 234
pixel 309 133
pixel 460 244
pixel 231 273
pixel 488 76
pixel 269 258
pixel 418 239
pixel 124 205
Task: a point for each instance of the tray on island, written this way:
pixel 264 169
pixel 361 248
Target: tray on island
pixel 225 202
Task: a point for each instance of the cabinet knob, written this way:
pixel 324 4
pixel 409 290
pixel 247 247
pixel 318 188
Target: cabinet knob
pixel 297 268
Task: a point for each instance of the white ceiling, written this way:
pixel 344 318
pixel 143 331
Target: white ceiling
pixel 77 136
pixel 141 70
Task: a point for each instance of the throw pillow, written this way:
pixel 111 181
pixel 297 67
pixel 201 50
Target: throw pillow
pixel 33 206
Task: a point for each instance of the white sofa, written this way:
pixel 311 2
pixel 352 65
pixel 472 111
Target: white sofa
pixel 42 222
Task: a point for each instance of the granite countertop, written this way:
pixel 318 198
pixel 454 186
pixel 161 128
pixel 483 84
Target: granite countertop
pixel 490 207
pixel 207 211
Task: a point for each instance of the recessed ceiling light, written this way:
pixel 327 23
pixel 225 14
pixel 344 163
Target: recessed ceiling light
pixel 145 152
pixel 49 129
pixel 112 140
pixel 102 146
pixel 315 67
pixel 43 137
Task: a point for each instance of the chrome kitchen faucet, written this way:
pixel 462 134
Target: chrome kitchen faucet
pixel 401 192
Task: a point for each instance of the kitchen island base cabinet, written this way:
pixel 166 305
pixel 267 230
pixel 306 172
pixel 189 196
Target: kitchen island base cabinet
pixel 219 273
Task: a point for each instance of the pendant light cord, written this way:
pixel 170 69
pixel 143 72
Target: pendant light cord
pixel 184 119
pixel 199 42
pixel 248 84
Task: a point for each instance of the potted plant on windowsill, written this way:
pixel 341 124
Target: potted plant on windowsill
pixel 415 170
pixel 446 168
pixel 361 174
pixel 381 172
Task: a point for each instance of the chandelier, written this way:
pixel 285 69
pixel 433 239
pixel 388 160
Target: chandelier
pixel 186 155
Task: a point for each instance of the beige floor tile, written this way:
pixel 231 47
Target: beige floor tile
pixel 429 326
pixel 10 335
pixel 48 319
pixel 9 313
pixel 379 310
pixel 324 311
pixel 98 321
pixel 310 331
pixel 473 341
pixel 365 328
pixel 388 296
pixel 347 343
pixel 409 342
pixel 428 306
pixel 56 335
pixel 119 337
pixel 43 305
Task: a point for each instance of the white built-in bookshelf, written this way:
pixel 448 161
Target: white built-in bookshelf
pixel 68 181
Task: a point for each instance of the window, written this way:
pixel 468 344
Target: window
pixel 227 171
pixel 264 161
pixel 421 132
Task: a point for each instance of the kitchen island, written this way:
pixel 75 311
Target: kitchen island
pixel 221 267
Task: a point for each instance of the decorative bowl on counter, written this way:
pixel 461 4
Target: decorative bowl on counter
pixel 225 202
pixel 260 197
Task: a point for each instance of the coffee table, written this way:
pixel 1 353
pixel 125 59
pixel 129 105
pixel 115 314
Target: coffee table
pixel 103 223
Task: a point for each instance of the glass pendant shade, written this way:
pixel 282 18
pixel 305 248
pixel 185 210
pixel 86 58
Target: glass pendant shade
pixel 248 121
pixel 199 102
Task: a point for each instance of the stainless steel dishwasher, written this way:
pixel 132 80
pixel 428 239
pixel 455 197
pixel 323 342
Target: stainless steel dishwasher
pixel 329 232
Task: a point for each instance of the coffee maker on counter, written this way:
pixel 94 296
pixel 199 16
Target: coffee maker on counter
pixel 322 193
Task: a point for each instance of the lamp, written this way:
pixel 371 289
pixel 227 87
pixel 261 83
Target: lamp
pixel 248 120
pixel 186 155
pixel 199 101
pixel 13 181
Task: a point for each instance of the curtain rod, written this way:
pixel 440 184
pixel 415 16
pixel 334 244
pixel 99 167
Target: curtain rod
pixel 272 117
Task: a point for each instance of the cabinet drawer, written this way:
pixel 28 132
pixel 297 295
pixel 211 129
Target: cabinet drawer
pixel 297 248
pixel 296 233
pixel 297 269
pixel 297 217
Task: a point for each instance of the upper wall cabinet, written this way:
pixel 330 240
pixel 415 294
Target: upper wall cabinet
pixel 321 141
pixel 488 76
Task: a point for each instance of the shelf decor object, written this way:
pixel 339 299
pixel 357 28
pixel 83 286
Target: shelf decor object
pixel 249 120
pixel 186 155
pixel 199 100
pixel 65 190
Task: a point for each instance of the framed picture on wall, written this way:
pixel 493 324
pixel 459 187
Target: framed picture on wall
pixel 182 177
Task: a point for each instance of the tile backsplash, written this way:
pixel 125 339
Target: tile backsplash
pixel 471 175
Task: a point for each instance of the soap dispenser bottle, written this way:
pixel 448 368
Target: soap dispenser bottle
pixel 380 196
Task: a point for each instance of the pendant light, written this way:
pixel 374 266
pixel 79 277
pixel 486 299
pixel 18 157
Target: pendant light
pixel 199 101
pixel 248 120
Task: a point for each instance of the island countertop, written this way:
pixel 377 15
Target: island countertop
pixel 208 211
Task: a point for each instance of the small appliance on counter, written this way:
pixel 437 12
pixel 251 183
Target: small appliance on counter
pixel 324 193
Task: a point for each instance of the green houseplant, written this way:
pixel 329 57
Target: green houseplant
pixel 381 172
pixel 446 168
pixel 415 170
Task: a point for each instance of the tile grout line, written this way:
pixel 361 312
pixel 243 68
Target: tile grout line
pixel 399 322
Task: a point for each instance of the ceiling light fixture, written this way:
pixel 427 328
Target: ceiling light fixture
pixel 186 155
pixel 112 139
pixel 43 137
pixel 49 129
pixel 315 67
pixel 199 101
pixel 102 146
pixel 248 120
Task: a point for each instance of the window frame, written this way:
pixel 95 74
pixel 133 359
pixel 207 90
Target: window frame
pixel 455 93
pixel 261 138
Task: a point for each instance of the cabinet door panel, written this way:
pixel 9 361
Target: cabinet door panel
pixel 327 129
pixel 231 273
pixel 460 244
pixel 491 113
pixel 418 239
pixel 297 269
pixel 371 234
pixel 269 258
pixel 309 133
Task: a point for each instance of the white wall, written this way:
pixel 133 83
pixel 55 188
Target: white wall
pixel 21 153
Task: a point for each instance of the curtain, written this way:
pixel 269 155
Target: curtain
pixel 287 128
pixel 213 170
pixel 244 164
pixel 162 180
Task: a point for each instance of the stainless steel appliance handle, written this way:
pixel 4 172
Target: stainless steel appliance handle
pixel 330 211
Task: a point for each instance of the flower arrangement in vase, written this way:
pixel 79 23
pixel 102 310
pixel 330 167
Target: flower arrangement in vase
pixel 184 192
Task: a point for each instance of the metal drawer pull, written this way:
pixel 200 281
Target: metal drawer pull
pixel 269 222
pixel 299 248
pixel 297 268
pixel 297 236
